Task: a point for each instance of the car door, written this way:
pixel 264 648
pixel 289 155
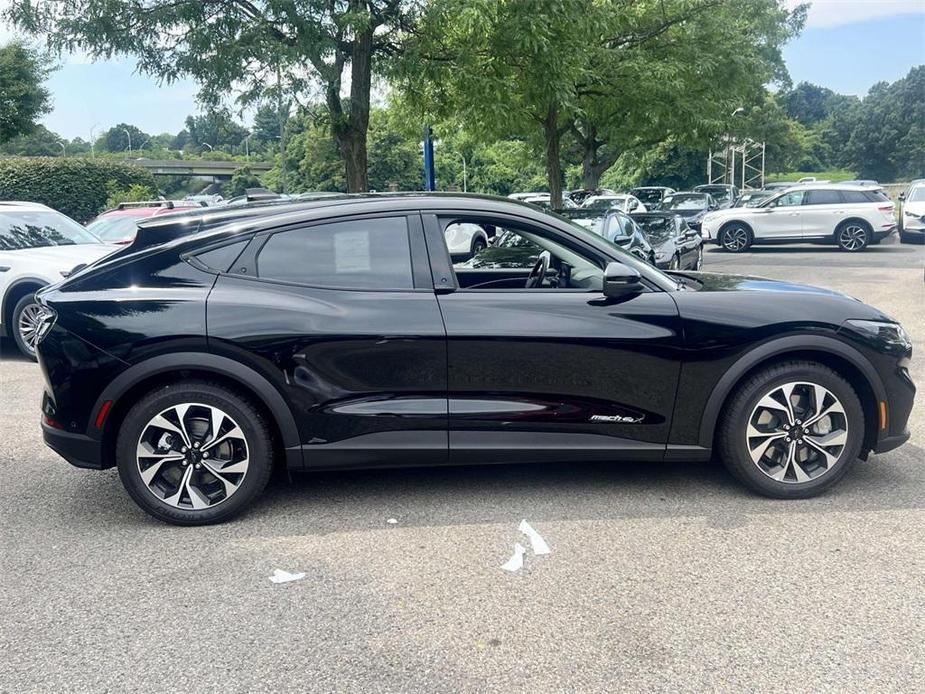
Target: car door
pixel 822 210
pixel 781 219
pixel 553 373
pixel 341 315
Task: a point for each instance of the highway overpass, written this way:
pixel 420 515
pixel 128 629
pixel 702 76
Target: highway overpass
pixel 198 167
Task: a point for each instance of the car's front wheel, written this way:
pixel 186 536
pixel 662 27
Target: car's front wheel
pixel 26 321
pixel 792 430
pixel 478 245
pixel 194 453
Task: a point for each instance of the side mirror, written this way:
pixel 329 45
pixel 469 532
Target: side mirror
pixel 621 280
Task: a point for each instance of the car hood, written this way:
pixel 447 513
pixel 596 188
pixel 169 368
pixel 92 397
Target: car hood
pixel 916 208
pixel 716 282
pixel 67 257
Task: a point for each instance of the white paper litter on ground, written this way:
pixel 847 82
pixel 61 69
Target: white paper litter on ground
pixel 536 540
pixel 280 576
pixel 516 562
pixel 392 521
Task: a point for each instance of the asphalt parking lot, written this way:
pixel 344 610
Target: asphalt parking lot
pixel 662 577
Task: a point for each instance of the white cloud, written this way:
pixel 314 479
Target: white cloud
pixel 828 13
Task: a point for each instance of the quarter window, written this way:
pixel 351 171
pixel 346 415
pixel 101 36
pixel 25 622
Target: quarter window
pixel 359 254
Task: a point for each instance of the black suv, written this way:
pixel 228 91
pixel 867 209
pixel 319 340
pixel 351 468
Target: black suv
pixel 337 333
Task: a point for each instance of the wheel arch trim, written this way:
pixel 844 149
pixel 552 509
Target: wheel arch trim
pixel 250 379
pixel 767 351
pixel 18 282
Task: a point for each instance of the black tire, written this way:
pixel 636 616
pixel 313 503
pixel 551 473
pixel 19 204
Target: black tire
pixel 853 236
pixel 256 434
pixel 478 245
pixel 25 304
pixel 736 238
pixel 733 444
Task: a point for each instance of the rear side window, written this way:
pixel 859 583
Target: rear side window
pixel 359 254
pixel 220 259
pixel 823 197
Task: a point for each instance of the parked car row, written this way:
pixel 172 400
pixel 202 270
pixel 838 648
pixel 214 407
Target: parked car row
pixel 852 215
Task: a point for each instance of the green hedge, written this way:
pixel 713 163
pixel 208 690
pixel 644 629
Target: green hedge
pixel 72 185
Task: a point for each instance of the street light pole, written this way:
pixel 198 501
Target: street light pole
pixel 63 148
pixel 129 135
pixel 92 149
pixel 247 152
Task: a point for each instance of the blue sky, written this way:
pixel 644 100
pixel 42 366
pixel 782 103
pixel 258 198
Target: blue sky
pixel 847 45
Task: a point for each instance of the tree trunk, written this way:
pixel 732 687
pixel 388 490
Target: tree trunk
pixel 553 134
pixel 593 163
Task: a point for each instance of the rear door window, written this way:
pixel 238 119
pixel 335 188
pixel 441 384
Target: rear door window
pixel 357 254
pixel 823 197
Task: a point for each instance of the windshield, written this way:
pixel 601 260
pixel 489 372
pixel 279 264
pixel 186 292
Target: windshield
pixel 917 194
pixel 116 228
pixel 40 228
pixel 604 203
pixel 685 201
pixel 648 196
pixel 719 193
pixel 656 227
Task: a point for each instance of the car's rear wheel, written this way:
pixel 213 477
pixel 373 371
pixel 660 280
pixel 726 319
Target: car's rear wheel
pixel 26 321
pixel 735 238
pixel 194 453
pixel 852 236
pixel 478 245
pixel 791 431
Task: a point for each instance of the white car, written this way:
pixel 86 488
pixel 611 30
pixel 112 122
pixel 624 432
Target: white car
pixel 624 203
pixel 848 215
pixel 524 196
pixel 465 239
pixel 38 247
pixel 913 225
pixel 545 201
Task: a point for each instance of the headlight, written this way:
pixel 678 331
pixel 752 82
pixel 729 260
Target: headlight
pixel 889 335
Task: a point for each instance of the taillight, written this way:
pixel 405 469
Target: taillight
pixel 886 208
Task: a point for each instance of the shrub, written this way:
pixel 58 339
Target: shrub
pixel 134 193
pixel 75 186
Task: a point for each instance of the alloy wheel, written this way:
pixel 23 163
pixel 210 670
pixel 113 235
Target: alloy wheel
pixel 797 432
pixel 30 320
pixel 192 456
pixel 735 239
pixel 853 237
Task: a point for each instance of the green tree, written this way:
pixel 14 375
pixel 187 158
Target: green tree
pixel 122 138
pixel 242 179
pixel 23 99
pixel 260 49
pixel 888 140
pixel 215 129
pixel 614 75
pixel 40 142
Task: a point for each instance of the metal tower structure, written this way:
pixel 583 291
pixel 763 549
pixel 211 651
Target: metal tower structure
pixel 740 163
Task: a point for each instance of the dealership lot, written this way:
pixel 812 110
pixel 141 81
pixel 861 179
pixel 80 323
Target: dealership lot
pixel 661 576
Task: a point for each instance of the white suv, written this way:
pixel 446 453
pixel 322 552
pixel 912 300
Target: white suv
pixel 38 247
pixel 849 215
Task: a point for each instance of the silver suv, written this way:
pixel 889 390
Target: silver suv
pixel 849 215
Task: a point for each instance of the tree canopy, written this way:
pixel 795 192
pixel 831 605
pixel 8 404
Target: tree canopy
pixel 23 98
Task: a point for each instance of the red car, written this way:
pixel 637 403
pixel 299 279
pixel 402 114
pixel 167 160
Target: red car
pixel 120 224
